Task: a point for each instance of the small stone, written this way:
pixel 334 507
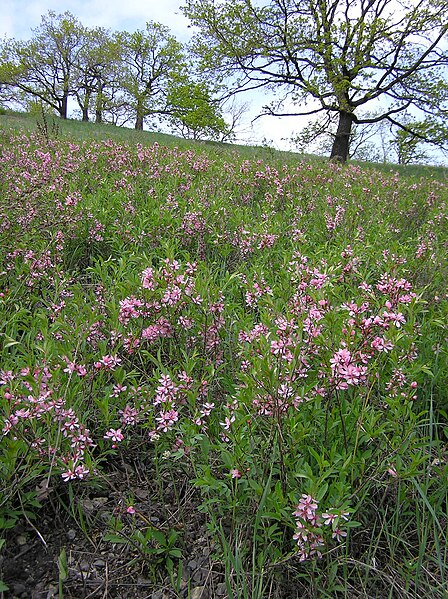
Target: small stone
pixel 221 589
pixel 19 588
pixel 141 493
pixel 87 506
pixel 99 563
pixel 199 593
pixel 99 502
pixel 84 566
pixel 21 540
pixel 71 534
pixel 198 576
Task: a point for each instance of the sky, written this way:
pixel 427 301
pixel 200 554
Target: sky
pixel 19 17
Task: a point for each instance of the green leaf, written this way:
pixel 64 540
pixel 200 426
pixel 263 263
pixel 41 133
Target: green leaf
pixel 10 341
pixel 255 486
pixel 62 565
pixel 112 538
pixel 158 536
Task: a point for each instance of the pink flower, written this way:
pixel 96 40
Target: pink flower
pixel 148 279
pixel 381 345
pixel 227 422
pixel 235 473
pixel 70 368
pixel 166 420
pixel 81 370
pixel 329 518
pixel 129 415
pixel 396 317
pixel 114 435
pixel 69 475
pixel 81 471
pixel 108 362
pixel 338 534
pixel 306 508
pixel 75 472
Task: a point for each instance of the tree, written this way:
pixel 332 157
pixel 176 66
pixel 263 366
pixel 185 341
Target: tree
pixel 152 60
pixel 97 70
pixel 44 67
pixel 318 136
pixel 331 56
pixel 193 113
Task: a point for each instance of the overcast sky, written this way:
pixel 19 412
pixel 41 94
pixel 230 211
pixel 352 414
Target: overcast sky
pixel 19 17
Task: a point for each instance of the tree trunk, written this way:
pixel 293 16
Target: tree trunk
pixel 85 105
pixel 99 110
pixel 63 107
pixel 139 122
pixel 140 115
pixel 99 103
pixel 341 144
pixel 85 112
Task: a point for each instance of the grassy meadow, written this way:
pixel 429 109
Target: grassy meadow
pixel 220 352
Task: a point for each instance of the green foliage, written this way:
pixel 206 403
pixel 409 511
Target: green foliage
pixel 266 337
pixel 43 68
pixel 117 77
pixel 193 113
pixel 158 546
pixel 152 60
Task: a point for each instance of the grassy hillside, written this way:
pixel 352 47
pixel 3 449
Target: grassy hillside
pixel 80 131
pixel 223 370
pixel 13 122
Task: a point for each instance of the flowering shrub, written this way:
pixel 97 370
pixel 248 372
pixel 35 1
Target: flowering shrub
pixel 277 330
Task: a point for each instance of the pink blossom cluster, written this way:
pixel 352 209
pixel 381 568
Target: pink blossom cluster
pixel 310 527
pixel 345 371
pixel 255 290
pixel 33 402
pixel 334 220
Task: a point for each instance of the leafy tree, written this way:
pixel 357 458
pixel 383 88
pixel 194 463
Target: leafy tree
pixel 152 61
pixel 331 56
pixel 44 67
pixel 193 113
pixel 97 70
